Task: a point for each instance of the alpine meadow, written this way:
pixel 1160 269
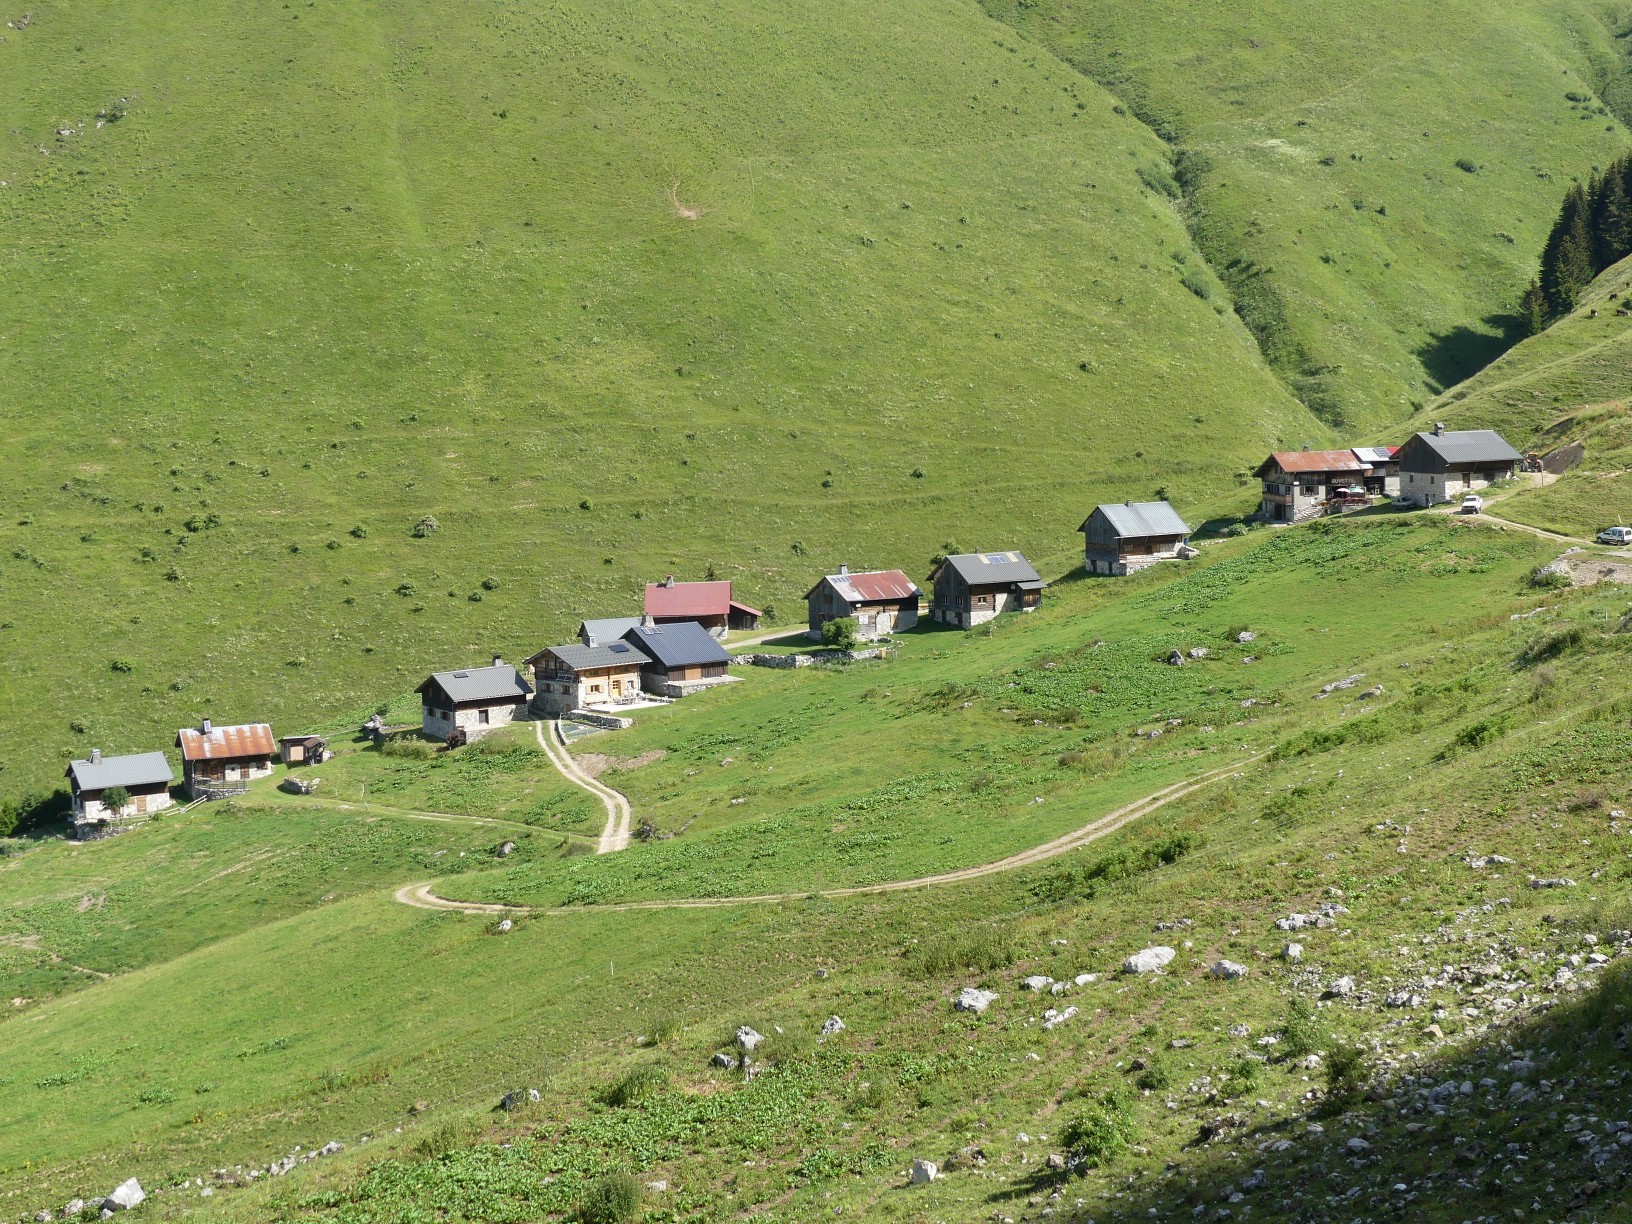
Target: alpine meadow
pixel 955 610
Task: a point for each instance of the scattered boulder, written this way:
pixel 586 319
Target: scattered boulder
pixel 1176 659
pixel 1375 690
pixel 73 1208
pixel 1037 981
pixel 1358 1146
pixel 924 1172
pixel 1556 882
pixel 832 1025
pixel 332 1148
pixel 972 999
pixel 748 1039
pixel 1228 970
pixel 1053 1019
pixel 1348 682
pixel 1245 636
pixel 1199 652
pixel 506 849
pixel 124 1197
pixel 505 925
pixel 1342 988
pixel 1055 1162
pixel 1292 952
pixel 1149 960
pixel 966 1158
pixel 727 1061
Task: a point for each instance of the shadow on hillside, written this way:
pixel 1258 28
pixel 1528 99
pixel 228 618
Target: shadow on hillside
pixel 1555 1142
pixel 1462 352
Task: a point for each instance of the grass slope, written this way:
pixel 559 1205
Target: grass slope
pixel 1374 180
pixel 287 1031
pixel 607 290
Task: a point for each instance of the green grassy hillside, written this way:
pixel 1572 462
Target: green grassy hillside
pixel 1374 180
pixel 606 290
pixel 394 1031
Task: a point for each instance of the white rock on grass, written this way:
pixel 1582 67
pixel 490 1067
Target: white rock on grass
pixel 128 1194
pixel 748 1039
pixel 972 999
pixel 1037 981
pixel 1149 960
pixel 1083 979
pixel 924 1172
pixel 1292 952
pixel 1228 970
pixel 832 1025
pixel 1342 988
pixel 1053 1019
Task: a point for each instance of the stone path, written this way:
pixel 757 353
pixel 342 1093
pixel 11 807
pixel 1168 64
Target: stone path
pixel 615 836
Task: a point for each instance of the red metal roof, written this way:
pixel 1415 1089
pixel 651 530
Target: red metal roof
pixel 226 743
pixel 1318 461
pixel 744 608
pixel 688 599
pixel 876 585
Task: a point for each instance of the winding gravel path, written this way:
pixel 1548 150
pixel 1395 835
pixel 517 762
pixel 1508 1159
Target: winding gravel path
pixel 421 896
pixel 615 836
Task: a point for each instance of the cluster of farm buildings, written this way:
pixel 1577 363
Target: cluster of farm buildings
pixel 674 647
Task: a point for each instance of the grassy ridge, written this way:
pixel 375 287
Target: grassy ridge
pixel 1373 180
pixel 321 272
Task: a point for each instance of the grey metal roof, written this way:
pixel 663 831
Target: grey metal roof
pixel 678 644
pixel 612 654
pixel 500 682
pixel 984 569
pixel 607 629
pixel 1471 446
pixel 1131 520
pixel 138 769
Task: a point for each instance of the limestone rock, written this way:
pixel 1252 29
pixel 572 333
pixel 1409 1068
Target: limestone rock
pixel 748 1039
pixel 724 1060
pixel 1228 970
pixel 1037 981
pixel 128 1194
pixel 1292 952
pixel 972 999
pixel 924 1172
pixel 1149 960
pixel 832 1025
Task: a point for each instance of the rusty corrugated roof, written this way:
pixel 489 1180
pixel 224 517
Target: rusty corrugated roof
pixel 874 585
pixel 226 743
pixel 1315 461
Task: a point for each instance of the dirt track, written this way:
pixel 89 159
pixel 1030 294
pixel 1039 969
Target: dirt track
pixel 421 896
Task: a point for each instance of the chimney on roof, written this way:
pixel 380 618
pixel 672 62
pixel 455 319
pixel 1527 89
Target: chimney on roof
pixel 498 660
pixel 96 756
pixel 844 570
pixel 1306 448
pixel 1129 503
pixel 669 582
pixel 646 621
pixel 205 726
pixel 1439 429
pixel 590 639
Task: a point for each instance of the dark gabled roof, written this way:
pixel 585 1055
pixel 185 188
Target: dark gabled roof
pixel 138 769
pixel 871 586
pixel 677 644
pixel 987 569
pixel 226 743
pixel 606 629
pixel 498 683
pixel 1471 446
pixel 1133 520
pixel 583 658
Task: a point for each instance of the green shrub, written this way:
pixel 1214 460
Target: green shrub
pixel 788 1046
pixel 611 1199
pixel 980 951
pixel 425 527
pixel 636 1086
pixel 1244 1074
pixel 1347 1069
pixel 1545 650
pixel 408 748
pixel 1098 1133
pixel 1301 1033
pixel 1085 882
pixel 1546 578
pixel 1155 1076
pixel 661 1029
pixel 840 633
pixel 446 1136
pixel 114 798
pixel 1484 731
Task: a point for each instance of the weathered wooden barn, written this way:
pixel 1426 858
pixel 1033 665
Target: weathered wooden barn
pixel 303 749
pixel 682 657
pixel 1446 464
pixel 1124 537
pixel 881 601
pixel 145 778
pixel 708 604
pixel 578 677
pixel 474 700
pixel 220 761
pixel 972 588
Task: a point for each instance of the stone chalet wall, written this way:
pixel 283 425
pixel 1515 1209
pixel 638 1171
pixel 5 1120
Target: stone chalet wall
pixel 812 659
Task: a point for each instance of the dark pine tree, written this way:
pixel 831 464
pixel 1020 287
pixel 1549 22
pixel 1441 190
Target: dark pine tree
pixel 1611 221
pixel 1566 261
pixel 1533 309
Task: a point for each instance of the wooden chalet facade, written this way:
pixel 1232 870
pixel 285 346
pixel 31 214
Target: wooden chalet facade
pixel 473 700
pixel 1382 478
pixel 1299 485
pixel 881 601
pixel 708 604
pixel 145 778
pixel 1445 465
pixel 218 761
pixel 972 588
pixel 577 677
pixel 681 658
pixel 1127 537
pixel 303 749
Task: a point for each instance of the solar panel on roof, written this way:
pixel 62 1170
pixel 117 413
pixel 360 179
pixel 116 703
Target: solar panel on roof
pixel 461 675
pixel 619 648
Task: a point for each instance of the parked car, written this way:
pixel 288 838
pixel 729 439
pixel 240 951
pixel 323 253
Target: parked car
pixel 1472 503
pixel 1615 535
